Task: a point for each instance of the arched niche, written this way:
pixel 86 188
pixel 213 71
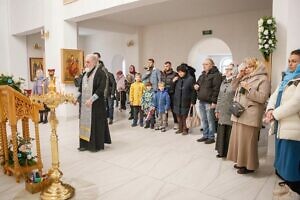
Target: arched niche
pixel 214 48
pixel 118 63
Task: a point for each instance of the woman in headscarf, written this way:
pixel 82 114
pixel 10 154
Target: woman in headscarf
pixel 253 90
pixel 184 97
pixel 284 112
pixel 130 79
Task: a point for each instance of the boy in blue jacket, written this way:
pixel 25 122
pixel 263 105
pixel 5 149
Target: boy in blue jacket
pixel 162 105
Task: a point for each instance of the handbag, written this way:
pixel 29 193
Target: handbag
pixel 236 109
pixel 192 119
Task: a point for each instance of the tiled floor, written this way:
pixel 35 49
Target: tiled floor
pixel 147 165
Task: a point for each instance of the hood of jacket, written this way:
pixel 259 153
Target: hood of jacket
pixel 260 70
pixel 165 90
pixel 120 77
pixel 213 70
pixel 191 69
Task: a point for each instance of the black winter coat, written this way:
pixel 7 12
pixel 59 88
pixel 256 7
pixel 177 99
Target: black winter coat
pixel 111 90
pixel 167 78
pixel 209 85
pixel 185 95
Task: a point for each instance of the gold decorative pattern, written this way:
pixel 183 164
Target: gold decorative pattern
pixel 15 106
pixel 57 189
pixel 23 109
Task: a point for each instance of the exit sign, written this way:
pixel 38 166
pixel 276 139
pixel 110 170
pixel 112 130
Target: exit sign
pixel 207 32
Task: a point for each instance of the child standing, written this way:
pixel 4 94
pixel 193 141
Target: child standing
pixel 148 105
pixel 135 98
pixel 121 90
pixel 162 105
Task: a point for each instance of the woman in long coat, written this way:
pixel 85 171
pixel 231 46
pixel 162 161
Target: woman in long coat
pixel 253 89
pixel 284 112
pixel 184 96
pixel 223 115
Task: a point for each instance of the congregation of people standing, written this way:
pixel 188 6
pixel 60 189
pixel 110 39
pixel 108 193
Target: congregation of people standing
pixel 231 108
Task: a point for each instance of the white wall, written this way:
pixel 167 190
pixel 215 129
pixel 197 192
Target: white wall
pixel 31 40
pixel 174 41
pixel 287 18
pixel 4 67
pixel 26 15
pixel 111 44
pixel 83 9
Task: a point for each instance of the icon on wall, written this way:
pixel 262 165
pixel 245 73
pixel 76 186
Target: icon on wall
pixel 72 63
pixel 34 65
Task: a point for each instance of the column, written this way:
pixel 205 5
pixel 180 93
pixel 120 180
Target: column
pixel 287 15
pixel 62 34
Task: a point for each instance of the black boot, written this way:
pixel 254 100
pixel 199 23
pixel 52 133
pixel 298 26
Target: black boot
pixel 45 118
pixel 147 124
pixel 41 117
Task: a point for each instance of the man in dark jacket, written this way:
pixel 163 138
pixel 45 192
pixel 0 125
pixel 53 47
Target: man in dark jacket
pixel 103 68
pixel 208 87
pixel 77 83
pixel 111 90
pixel 167 76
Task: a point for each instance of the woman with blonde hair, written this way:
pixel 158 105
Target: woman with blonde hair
pixel 252 91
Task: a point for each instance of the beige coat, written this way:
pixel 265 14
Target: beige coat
pixel 253 100
pixel 288 113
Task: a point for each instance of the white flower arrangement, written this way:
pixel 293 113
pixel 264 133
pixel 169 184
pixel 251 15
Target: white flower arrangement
pixel 266 36
pixel 24 151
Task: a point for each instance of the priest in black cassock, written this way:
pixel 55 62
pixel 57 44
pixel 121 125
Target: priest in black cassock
pixel 93 126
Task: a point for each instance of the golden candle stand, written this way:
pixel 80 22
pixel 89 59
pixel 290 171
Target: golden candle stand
pixel 57 189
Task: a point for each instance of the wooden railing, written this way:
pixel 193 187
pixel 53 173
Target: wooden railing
pixel 16 107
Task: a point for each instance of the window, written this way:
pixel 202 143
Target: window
pixel 124 66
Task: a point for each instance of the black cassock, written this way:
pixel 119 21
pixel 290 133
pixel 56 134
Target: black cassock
pixel 99 127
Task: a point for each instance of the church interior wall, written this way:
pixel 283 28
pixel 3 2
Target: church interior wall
pixel 173 41
pixel 111 44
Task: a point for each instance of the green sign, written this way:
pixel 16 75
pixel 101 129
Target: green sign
pixel 207 32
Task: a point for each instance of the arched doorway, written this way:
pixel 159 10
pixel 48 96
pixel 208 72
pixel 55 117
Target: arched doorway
pixel 118 63
pixel 214 48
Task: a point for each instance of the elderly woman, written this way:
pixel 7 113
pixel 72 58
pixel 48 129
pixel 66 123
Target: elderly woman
pixel 284 112
pixel 184 97
pixel 222 113
pixel 253 89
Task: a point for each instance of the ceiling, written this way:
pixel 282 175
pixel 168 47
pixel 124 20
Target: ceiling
pixel 174 10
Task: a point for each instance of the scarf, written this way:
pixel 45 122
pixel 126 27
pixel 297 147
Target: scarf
pixel 288 76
